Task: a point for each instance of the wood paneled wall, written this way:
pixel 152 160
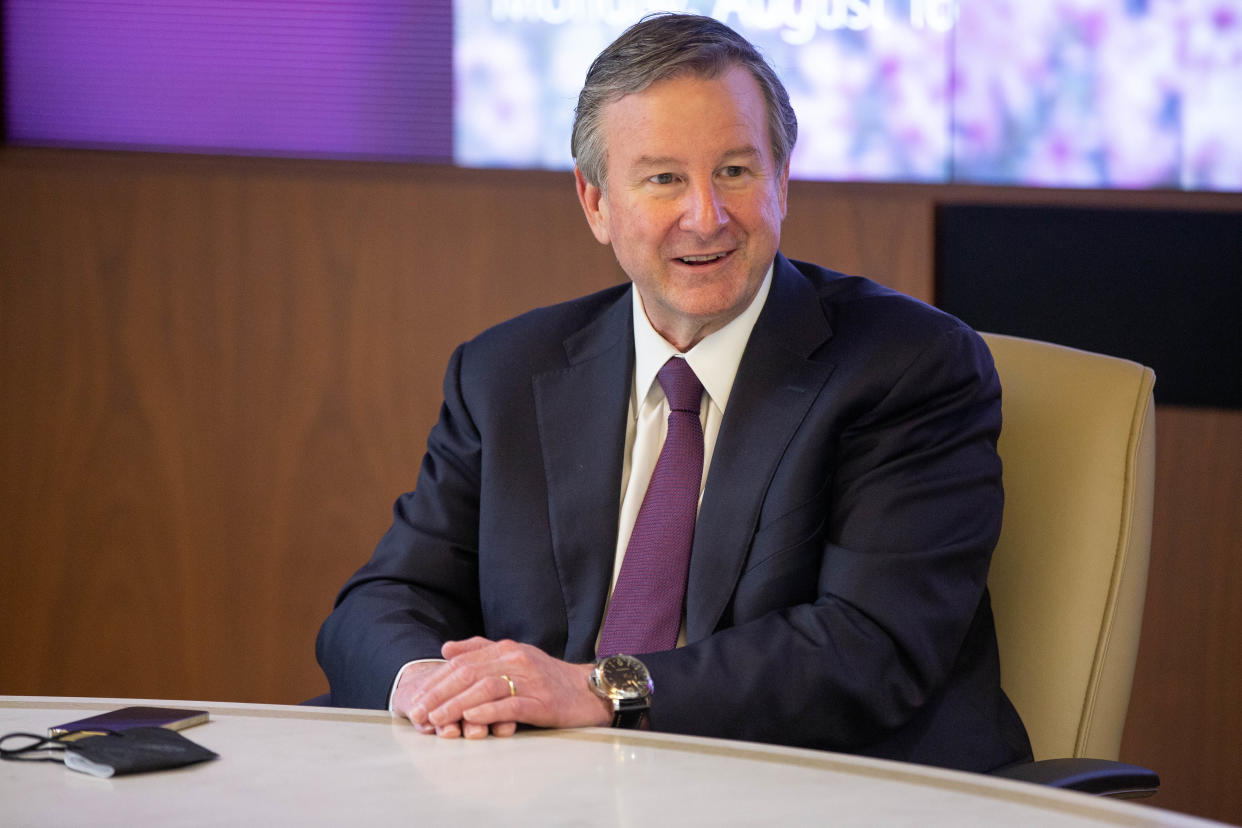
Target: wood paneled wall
pixel 216 374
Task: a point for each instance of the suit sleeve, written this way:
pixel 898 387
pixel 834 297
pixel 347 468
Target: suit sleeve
pixel 897 625
pixel 420 587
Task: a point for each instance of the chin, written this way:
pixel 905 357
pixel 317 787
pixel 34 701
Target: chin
pixel 707 309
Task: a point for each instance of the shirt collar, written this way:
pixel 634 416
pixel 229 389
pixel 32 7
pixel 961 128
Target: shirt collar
pixel 714 359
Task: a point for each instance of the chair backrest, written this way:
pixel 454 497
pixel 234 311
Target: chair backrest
pixel 1069 575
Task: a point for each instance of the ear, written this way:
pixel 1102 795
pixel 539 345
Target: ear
pixel 595 205
pixel 783 185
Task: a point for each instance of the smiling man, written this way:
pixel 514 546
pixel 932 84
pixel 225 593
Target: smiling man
pixel 739 496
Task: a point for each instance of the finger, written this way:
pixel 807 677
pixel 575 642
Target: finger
pixel 485 690
pixel 449 731
pixel 413 678
pixel 491 688
pixel 423 727
pixel 446 685
pixel 506 710
pixel 472 730
pixel 452 649
pixel 503 729
pixel 480 651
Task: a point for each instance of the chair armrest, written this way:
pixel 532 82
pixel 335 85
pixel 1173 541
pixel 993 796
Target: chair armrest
pixel 1095 776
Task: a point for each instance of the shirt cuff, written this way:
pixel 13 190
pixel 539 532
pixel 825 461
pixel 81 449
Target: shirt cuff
pixel 401 673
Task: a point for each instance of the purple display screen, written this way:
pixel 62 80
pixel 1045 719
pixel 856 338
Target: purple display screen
pixel 284 77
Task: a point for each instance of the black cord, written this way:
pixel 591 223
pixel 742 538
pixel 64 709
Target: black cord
pixel 36 744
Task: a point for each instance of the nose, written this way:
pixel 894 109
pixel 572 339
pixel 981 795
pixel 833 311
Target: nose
pixel 703 210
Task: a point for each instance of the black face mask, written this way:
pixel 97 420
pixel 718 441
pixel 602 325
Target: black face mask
pixel 136 750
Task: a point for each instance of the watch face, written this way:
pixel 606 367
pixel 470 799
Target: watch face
pixel 625 677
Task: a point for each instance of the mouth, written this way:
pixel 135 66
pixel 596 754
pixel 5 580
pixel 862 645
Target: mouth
pixel 704 258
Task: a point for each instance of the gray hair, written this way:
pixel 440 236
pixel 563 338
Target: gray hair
pixel 661 46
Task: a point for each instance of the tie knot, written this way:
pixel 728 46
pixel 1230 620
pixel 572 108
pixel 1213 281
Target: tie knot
pixel 681 386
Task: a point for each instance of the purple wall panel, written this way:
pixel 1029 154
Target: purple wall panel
pixel 367 78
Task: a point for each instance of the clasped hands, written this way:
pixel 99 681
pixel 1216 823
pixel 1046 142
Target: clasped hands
pixel 486 686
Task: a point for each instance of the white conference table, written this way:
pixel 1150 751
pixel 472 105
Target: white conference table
pixel 282 764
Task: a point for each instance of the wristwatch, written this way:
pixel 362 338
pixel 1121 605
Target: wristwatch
pixel 624 681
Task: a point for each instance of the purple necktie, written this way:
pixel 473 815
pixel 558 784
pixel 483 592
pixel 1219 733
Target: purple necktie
pixel 644 614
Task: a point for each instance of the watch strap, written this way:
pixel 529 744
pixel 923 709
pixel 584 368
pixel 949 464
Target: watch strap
pixel 630 714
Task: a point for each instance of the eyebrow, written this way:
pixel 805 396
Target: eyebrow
pixel 647 161
pixel 749 151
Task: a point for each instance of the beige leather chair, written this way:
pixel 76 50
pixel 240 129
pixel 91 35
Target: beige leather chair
pixel 1069 575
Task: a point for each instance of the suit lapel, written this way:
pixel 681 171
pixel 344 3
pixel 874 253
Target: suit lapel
pixel 581 412
pixel 776 384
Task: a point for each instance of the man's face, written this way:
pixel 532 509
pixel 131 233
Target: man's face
pixel 693 202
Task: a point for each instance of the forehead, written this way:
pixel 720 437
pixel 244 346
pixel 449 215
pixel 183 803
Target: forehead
pixel 688 115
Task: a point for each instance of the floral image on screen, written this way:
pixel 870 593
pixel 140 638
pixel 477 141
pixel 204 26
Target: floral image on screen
pixel 1099 93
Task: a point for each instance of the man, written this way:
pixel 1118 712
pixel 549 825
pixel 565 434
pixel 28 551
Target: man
pixel 831 592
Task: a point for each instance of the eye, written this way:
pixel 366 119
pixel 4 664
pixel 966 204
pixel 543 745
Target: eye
pixel 733 171
pixel 662 178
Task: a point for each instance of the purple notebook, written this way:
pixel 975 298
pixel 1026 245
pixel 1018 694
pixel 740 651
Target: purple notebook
pixel 126 717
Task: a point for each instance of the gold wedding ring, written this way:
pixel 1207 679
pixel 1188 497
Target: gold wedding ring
pixel 512 689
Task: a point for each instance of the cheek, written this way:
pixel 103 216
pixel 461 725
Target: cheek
pixel 639 236
pixel 772 207
pixel 629 250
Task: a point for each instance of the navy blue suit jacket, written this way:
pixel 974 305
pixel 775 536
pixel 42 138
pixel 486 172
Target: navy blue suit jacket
pixel 836 594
